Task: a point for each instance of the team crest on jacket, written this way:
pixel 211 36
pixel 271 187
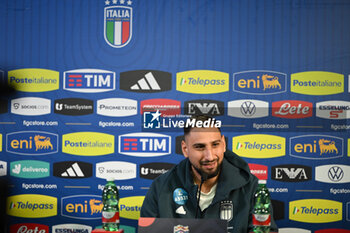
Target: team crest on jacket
pixel 181 229
pixel 226 210
pixel 118 23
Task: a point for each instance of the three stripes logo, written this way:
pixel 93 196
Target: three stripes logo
pixel 145 81
pixel 72 169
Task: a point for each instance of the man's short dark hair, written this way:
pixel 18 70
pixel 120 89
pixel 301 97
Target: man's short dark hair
pixel 202 118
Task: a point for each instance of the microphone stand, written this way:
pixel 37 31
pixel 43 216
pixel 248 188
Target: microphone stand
pixel 204 177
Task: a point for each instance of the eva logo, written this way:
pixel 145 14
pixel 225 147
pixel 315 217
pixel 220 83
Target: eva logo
pixel 202 81
pixel 88 143
pixel 315 211
pixel 29 169
pixel 316 147
pixel 291 173
pixel 130 207
pixel 34 80
pixel 259 146
pixel 82 207
pixel 31 143
pixel 167 107
pixel 317 83
pixel 333 173
pixel 89 80
pixel 260 171
pixel 259 82
pixel 3 168
pixel 292 109
pixel 248 108
pixel 117 107
pixel 204 107
pixel 31 206
pixel 335 110
pixel 116 170
pixel 29 228
pixel 71 228
pixel 144 144
pixel 31 106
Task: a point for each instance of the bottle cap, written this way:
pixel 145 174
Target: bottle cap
pixel 262 182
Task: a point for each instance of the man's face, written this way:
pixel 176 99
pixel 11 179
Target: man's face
pixel 205 149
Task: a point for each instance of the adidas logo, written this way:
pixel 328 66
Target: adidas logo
pixel 73 171
pixel 146 83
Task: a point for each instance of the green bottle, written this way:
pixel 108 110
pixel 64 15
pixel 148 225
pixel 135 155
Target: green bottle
pixel 261 212
pixel 110 211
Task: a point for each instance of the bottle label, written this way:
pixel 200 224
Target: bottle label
pixel 261 219
pixel 108 217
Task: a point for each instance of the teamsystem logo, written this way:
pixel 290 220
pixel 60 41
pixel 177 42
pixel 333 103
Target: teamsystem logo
pixel 74 106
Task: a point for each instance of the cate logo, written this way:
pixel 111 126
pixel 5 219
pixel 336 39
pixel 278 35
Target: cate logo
pixel 335 110
pixel 3 106
pixel 30 169
pixel 116 170
pixel 260 171
pixel 248 108
pixel 292 109
pixel 82 207
pixel 144 144
pixel 71 228
pixel 118 23
pixel 3 168
pixel 204 107
pixel 130 207
pixel 259 82
pixel 167 107
pixel 31 206
pixel 72 169
pixel 291 173
pixel 89 80
pixel 32 143
pixel 315 211
pixel 153 170
pixel 29 228
pixel 74 106
pixel 316 147
pixel 31 106
pixel 317 83
pixel 117 107
pixel 333 173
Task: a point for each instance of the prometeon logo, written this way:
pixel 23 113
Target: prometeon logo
pixel 316 147
pixel 291 173
pixel 31 106
pixel 202 81
pixel 167 107
pixel 145 81
pixel 117 107
pixel 29 228
pixel 89 80
pixel 72 169
pixel 30 169
pixel 315 211
pixel 259 82
pixel 333 173
pixel 82 207
pixel 74 106
pixel 153 170
pixel 70 228
pixel 144 144
pixel 292 109
pixel 32 143
pixel 248 108
pixel 116 170
pixel 204 107
pixel 335 110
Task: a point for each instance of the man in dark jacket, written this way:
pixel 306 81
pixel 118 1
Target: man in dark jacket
pixel 227 186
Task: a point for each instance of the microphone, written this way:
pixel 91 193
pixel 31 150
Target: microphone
pixel 204 177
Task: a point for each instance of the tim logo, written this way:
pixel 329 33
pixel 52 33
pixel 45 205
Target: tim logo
pixel 32 143
pixel 259 82
pixel 82 207
pixel 89 80
pixel 118 23
pixel 316 147
pixel 144 144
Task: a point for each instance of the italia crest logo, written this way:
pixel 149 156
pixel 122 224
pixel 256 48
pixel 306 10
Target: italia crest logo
pixel 118 22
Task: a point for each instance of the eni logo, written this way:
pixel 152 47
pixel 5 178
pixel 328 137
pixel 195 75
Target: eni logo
pixel 327 146
pixel 270 81
pixel 82 207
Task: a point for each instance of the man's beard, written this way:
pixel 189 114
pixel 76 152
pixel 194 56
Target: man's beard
pixel 207 175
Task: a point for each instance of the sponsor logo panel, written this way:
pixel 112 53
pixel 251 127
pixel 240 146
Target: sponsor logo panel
pixel 259 146
pixel 32 143
pixel 248 108
pixel 82 207
pixel 29 228
pixel 260 171
pixel 31 206
pixel 130 207
pixel 0 142
pixel 293 230
pixel 34 80
pixel 153 170
pixel 88 143
pixel 117 170
pixel 204 107
pixel 167 107
pixel 144 144
pixel 30 169
pixel 335 110
pixel 292 109
pixel 89 80
pixel 145 81
pixel 31 106
pixel 72 169
pixel 315 211
pixel 71 228
pixel 259 82
pixel 74 106
pixel 317 83
pixel 291 173
pixel 316 147
pixel 117 107
pixel 333 173
pixel 202 81
pixel 3 106
pixel 3 168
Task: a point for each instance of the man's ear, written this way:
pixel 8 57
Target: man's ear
pixel 184 148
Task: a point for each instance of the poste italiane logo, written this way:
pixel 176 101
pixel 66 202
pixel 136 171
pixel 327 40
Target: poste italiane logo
pixel 315 211
pixel 259 146
pixel 202 81
pixel 317 83
pixel 88 143
pixel 130 207
pixel 31 206
pixel 34 80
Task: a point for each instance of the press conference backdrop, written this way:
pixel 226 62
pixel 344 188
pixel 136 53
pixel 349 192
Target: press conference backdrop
pixel 90 76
